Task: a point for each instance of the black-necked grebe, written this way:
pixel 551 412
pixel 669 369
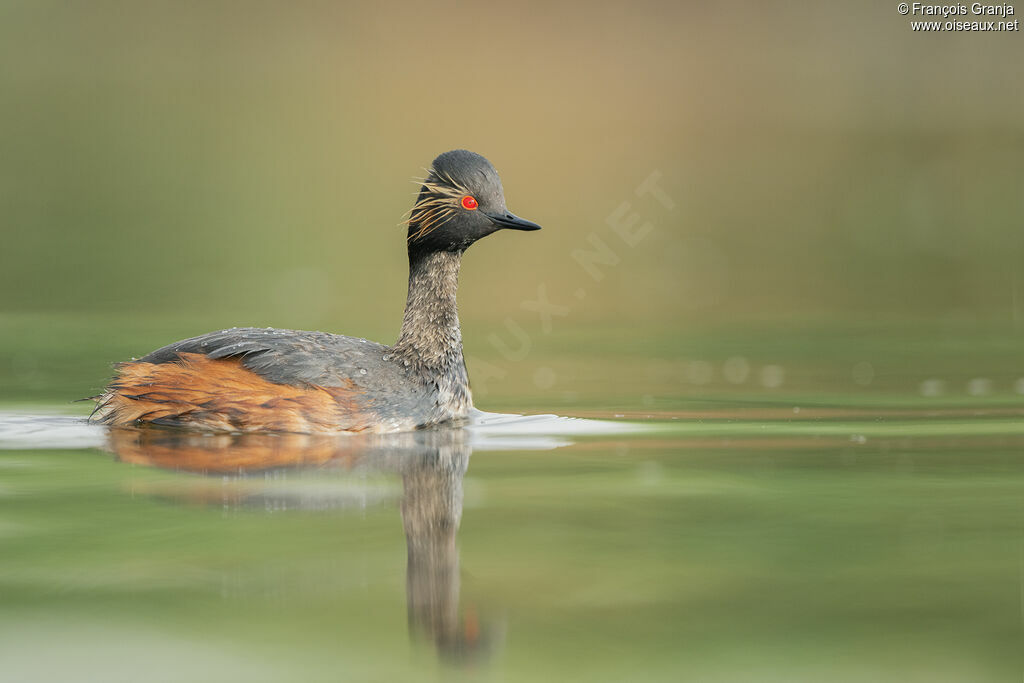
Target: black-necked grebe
pixel 249 379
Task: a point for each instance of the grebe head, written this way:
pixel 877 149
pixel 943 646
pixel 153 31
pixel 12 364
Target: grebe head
pixel 461 200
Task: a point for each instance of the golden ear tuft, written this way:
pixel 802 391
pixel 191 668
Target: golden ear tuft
pixel 437 205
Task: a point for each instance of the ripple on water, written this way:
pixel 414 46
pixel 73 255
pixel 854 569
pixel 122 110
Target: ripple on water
pixel 488 431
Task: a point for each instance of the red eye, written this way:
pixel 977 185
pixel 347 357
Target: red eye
pixel 469 203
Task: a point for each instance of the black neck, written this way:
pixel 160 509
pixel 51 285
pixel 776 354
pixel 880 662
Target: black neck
pixel 430 328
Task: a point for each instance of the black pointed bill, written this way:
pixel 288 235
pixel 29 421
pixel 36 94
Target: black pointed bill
pixel 510 220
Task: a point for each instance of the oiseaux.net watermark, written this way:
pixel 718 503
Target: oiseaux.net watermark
pixel 629 228
pixel 957 18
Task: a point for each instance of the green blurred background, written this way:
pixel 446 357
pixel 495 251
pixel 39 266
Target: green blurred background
pixel 832 312
pixel 170 168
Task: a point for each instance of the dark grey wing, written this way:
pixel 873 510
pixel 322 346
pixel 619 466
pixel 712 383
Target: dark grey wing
pixel 291 356
pixel 395 391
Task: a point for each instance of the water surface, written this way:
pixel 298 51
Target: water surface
pixel 745 545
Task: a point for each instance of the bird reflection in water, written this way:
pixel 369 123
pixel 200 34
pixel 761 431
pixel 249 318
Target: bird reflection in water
pixel 432 465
